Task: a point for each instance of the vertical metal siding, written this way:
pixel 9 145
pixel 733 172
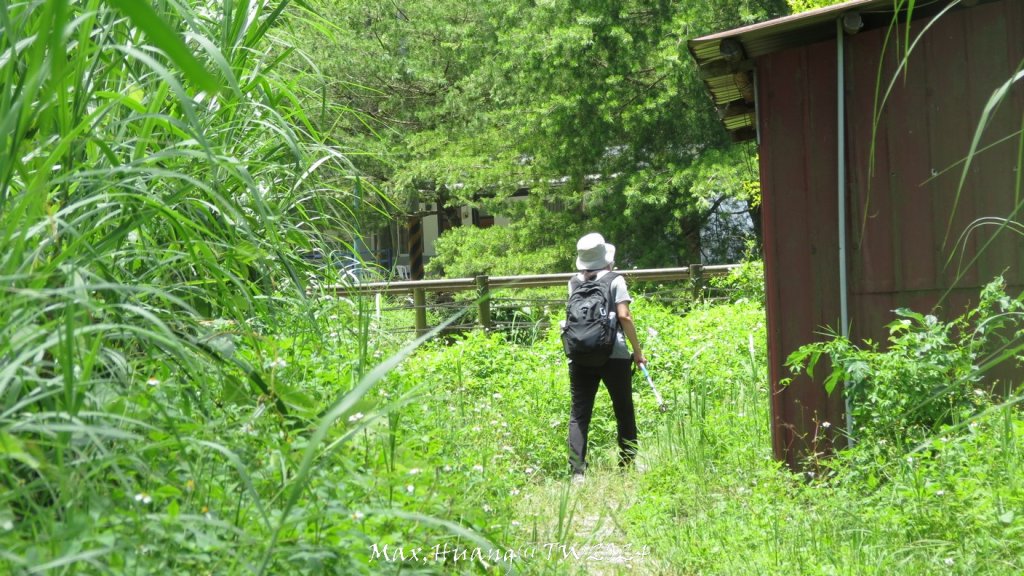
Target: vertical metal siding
pixel 993 53
pixel 908 216
pixel 798 99
pixel 903 188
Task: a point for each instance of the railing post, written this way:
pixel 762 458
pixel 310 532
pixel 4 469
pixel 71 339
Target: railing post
pixel 696 281
pixel 419 301
pixel 483 301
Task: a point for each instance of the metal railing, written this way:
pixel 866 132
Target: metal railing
pixel 486 285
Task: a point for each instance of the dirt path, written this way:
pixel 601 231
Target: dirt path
pixel 581 529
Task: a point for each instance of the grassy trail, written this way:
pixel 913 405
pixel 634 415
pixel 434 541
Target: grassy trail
pixel 582 528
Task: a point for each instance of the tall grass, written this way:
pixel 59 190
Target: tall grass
pixel 158 179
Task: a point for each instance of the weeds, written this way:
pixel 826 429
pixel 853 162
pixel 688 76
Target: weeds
pixel 155 178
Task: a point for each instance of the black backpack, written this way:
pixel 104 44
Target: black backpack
pixel 588 335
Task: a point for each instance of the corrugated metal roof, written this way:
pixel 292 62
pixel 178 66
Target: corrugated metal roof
pixel 720 72
pixel 788 31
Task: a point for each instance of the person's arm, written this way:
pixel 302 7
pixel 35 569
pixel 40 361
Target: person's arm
pixel 629 329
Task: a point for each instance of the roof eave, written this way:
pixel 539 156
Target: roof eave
pixel 726 59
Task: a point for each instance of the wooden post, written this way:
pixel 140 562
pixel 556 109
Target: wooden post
pixel 483 301
pixel 419 302
pixel 697 281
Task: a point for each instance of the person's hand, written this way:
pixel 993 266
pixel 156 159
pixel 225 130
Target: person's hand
pixel 638 358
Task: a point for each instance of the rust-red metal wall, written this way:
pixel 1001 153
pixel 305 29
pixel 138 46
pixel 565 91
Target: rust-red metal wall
pixel 797 109
pixel 904 213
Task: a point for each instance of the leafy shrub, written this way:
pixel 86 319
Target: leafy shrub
pixel 745 282
pixel 466 251
pixel 931 374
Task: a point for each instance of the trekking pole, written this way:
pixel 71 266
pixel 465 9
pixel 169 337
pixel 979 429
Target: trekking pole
pixel 657 396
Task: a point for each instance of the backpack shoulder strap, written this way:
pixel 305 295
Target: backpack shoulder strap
pixel 608 279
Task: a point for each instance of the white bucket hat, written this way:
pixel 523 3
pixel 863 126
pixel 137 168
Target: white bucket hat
pixel 593 253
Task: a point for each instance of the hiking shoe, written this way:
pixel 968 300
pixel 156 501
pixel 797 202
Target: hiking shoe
pixel 577 479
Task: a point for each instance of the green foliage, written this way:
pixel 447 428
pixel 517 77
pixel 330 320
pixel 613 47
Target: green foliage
pixel 483 422
pixel 946 503
pixel 595 107
pixel 804 5
pixel 153 317
pixel 745 282
pixel 537 242
pixel 929 377
pixel 604 95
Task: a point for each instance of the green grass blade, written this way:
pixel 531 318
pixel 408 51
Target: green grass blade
pixel 165 38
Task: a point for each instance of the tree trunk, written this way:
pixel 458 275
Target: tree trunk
pixel 690 246
pixel 755 218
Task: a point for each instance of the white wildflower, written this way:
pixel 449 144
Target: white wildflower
pixel 478 468
pixel 357 515
pixel 356 417
pixel 410 488
pixel 153 382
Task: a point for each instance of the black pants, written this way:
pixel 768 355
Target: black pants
pixel 584 382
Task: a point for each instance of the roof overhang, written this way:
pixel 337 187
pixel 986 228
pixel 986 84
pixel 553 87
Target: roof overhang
pixel 726 59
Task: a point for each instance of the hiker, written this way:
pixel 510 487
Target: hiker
pixel 594 261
